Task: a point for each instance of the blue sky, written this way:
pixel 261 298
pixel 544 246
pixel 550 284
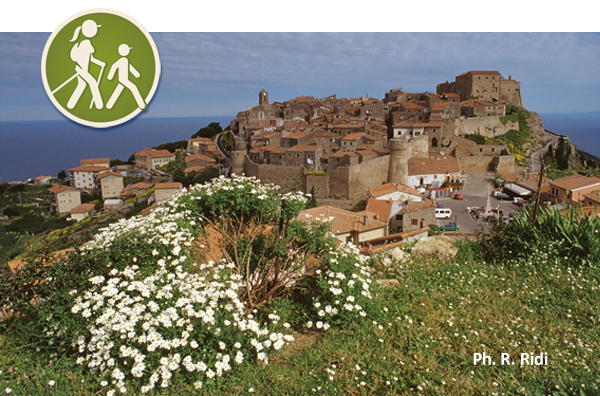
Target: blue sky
pixel 221 73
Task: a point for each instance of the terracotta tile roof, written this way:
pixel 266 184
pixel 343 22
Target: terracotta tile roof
pixel 133 189
pixel 382 207
pixel 88 161
pixel 412 105
pixel 366 152
pixel 85 207
pixel 343 221
pixel 196 168
pixel 390 188
pixel 59 189
pixel 434 164
pixel 323 134
pixel 418 206
pixel 348 126
pixel 298 135
pixel 166 186
pixel 575 182
pixel 381 150
pixel 159 153
pixel 199 157
pixel 142 153
pixel 108 173
pixel 353 136
pixel 452 95
pixel 342 154
pixel 89 168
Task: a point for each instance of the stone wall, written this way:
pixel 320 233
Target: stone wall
pixel 353 182
pixel 320 183
pixel 486 126
pixel 354 205
pixel 481 164
pixel 289 178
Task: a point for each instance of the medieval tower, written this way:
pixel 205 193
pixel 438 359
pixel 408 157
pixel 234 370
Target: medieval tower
pixel 401 150
pixel 263 98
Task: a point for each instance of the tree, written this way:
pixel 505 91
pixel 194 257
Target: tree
pixel 62 175
pixel 313 199
pixel 209 131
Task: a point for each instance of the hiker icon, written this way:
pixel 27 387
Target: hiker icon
pixel 82 53
pixel 122 67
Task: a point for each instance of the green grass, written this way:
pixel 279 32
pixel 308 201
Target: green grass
pixel 420 339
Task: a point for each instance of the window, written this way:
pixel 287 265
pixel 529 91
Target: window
pixel 481 149
pixel 414 222
pixel 399 217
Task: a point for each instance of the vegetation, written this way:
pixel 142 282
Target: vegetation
pixel 172 146
pixel 138 310
pixel 564 161
pixel 514 139
pixel 209 131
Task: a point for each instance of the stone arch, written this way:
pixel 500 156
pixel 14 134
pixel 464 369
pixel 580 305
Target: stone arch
pixel 434 142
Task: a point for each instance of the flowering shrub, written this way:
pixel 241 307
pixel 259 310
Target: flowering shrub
pixel 343 289
pixel 150 328
pixel 138 308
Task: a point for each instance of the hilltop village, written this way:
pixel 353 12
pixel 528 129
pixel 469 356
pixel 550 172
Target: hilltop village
pixel 381 169
pixel 343 147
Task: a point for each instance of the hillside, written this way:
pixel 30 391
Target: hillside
pixel 139 309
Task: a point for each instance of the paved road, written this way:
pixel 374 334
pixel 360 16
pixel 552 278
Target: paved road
pixel 476 191
pixel 535 163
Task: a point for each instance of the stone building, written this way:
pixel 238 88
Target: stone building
pixel 484 84
pixel 348 227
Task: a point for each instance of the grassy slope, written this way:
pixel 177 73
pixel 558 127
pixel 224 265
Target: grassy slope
pixel 421 339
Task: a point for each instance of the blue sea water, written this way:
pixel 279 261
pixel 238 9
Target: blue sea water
pixel 583 129
pixel 33 148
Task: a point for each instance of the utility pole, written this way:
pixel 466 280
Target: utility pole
pixel 537 198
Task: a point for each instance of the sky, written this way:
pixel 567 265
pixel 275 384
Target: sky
pixel 218 68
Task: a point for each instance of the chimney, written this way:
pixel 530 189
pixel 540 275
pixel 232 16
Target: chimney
pixel 366 218
pixel 376 216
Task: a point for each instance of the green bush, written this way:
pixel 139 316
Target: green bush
pixel 570 238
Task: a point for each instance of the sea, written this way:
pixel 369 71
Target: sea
pixel 35 148
pixel 583 129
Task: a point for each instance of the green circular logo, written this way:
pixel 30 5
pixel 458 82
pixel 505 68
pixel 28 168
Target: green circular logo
pixel 100 68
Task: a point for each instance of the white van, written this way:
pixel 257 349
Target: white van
pixel 443 213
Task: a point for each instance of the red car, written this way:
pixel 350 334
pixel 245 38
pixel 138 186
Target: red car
pixel 458 196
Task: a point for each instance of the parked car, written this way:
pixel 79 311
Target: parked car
pixel 495 193
pixel 449 227
pixel 518 201
pixel 458 196
pixel 503 197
